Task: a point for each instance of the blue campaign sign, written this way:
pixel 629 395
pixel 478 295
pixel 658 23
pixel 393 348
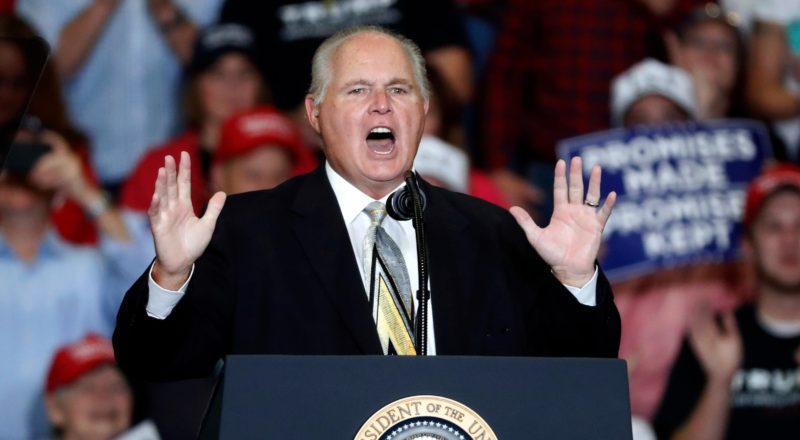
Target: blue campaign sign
pixel 681 190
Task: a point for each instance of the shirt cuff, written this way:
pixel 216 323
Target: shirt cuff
pixel 586 295
pixel 161 301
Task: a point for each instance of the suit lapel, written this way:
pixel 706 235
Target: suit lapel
pixel 319 227
pixel 452 260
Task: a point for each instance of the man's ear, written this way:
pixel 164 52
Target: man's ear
pixel 312 112
pixel 54 411
pixel 426 105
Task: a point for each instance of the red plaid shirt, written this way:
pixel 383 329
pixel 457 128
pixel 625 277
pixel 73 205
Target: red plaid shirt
pixel 549 76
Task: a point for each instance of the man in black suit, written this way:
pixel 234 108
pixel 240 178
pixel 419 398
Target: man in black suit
pixel 281 271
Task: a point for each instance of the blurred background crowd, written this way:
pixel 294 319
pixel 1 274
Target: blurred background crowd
pixel 129 82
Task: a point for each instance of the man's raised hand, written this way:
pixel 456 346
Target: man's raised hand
pixel 716 344
pixel 570 243
pixel 178 235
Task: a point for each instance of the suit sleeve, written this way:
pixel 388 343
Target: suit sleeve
pixel 557 323
pixel 196 334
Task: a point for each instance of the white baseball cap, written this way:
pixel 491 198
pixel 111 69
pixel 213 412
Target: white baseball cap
pixel 651 77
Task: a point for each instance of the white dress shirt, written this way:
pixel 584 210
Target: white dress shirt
pixel 352 203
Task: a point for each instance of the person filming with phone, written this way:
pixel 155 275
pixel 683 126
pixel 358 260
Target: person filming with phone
pixel 52 291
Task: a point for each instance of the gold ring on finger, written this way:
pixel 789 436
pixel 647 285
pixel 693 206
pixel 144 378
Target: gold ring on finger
pixel 592 204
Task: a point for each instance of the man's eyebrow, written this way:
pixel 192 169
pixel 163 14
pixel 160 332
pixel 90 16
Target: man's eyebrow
pixel 358 82
pixel 400 81
pixel 365 82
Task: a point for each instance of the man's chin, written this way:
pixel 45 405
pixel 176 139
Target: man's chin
pixel 789 286
pixel 378 185
pixel 103 431
pixel 388 173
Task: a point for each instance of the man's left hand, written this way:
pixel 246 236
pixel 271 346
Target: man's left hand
pixel 570 243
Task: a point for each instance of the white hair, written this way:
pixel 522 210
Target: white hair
pixel 321 63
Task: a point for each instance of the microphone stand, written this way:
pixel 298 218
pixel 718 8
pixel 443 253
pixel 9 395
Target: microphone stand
pixel 423 294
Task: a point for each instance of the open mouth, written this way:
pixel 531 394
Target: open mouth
pixel 381 140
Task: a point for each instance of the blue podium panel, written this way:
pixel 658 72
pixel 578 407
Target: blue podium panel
pixel 334 397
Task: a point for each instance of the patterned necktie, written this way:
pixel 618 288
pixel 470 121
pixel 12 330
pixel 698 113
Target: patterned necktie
pixel 386 276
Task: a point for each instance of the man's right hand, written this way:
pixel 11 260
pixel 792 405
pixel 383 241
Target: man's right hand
pixel 717 344
pixel 179 236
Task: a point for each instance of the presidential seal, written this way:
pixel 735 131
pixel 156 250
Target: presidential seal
pixel 425 418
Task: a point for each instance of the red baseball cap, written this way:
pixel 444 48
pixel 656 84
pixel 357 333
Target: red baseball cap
pixel 74 360
pixel 772 179
pixel 250 129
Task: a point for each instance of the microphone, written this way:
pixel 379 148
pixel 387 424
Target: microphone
pixel 408 203
pixel 400 205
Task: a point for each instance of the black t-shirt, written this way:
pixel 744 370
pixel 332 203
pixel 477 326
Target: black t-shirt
pixel 288 32
pixel 765 399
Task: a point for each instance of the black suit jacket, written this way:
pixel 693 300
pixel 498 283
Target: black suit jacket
pixel 280 276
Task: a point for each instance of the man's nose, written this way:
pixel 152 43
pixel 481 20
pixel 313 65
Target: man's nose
pixel 380 102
